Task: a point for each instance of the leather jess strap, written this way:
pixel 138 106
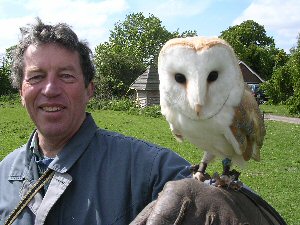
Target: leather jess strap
pixel 40 183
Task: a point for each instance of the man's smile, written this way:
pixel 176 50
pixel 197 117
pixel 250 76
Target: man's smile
pixel 56 108
pixel 52 109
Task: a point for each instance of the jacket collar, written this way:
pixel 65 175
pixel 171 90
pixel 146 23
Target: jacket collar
pixel 75 147
pixel 23 161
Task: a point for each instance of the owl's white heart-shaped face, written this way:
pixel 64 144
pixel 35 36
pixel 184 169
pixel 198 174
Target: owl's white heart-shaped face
pixel 199 76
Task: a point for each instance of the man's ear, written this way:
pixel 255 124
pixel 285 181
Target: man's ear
pixel 22 98
pixel 91 89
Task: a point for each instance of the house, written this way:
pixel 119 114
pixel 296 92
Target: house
pixel 146 86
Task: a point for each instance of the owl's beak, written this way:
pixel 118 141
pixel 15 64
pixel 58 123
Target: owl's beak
pixel 198 109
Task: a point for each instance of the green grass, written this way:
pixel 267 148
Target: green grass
pixel 275 178
pixel 281 110
pixel 15 128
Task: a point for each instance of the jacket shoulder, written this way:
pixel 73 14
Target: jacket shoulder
pixel 13 163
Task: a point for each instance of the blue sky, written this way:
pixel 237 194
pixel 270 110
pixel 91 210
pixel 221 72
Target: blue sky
pixel 93 19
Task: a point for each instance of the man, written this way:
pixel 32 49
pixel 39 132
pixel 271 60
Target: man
pixel 70 171
pixel 100 177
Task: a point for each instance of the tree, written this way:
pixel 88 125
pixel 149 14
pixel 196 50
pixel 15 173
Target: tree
pixel 115 71
pixel 284 86
pixel 280 87
pixel 294 66
pixel 253 46
pixel 297 47
pixel 133 45
pixel 5 84
pixel 4 78
pixel 140 36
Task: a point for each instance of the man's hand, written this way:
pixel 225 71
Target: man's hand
pixel 191 202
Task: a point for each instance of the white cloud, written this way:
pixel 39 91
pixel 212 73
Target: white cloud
pixel 174 8
pixel 92 19
pixel 281 19
pixel 88 18
pixel 9 35
pixel 169 9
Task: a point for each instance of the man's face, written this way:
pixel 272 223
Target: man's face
pixel 53 90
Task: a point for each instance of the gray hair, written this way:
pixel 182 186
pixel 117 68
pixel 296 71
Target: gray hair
pixel 61 34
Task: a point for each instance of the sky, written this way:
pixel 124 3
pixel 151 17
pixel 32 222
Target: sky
pixel 93 20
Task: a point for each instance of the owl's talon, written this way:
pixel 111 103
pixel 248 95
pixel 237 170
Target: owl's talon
pixel 194 168
pixel 229 180
pixel 234 174
pixel 199 173
pixel 201 176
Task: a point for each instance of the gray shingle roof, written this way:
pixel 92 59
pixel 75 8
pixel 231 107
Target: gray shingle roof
pixel 148 81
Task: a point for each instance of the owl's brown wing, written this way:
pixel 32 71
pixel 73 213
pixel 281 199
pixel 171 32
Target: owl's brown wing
pixel 248 127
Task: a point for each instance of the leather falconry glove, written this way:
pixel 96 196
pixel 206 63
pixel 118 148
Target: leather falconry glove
pixel 191 202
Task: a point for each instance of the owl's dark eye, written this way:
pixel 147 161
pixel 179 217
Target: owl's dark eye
pixel 213 76
pixel 180 78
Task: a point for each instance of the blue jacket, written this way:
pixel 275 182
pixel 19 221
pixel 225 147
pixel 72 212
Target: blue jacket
pixel 101 178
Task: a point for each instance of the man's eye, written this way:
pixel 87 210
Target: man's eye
pixel 67 77
pixel 35 79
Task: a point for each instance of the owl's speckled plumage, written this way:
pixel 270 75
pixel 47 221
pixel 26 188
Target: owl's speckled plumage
pixel 205 100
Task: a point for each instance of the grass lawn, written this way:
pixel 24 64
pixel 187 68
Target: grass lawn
pixel 280 110
pixel 275 178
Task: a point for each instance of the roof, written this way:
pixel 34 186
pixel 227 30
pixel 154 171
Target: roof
pixel 249 75
pixel 148 81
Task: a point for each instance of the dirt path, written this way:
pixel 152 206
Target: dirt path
pixel 282 118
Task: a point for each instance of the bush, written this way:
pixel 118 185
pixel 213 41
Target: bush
pixel 152 111
pixel 5 85
pixel 280 87
pixel 124 104
pixel 294 103
pixel 10 100
pixel 294 64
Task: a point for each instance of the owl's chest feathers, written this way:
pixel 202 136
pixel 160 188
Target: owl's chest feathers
pixel 209 134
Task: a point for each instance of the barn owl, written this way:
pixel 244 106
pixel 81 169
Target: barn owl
pixel 204 99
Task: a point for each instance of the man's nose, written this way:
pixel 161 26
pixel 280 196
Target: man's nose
pixel 52 87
